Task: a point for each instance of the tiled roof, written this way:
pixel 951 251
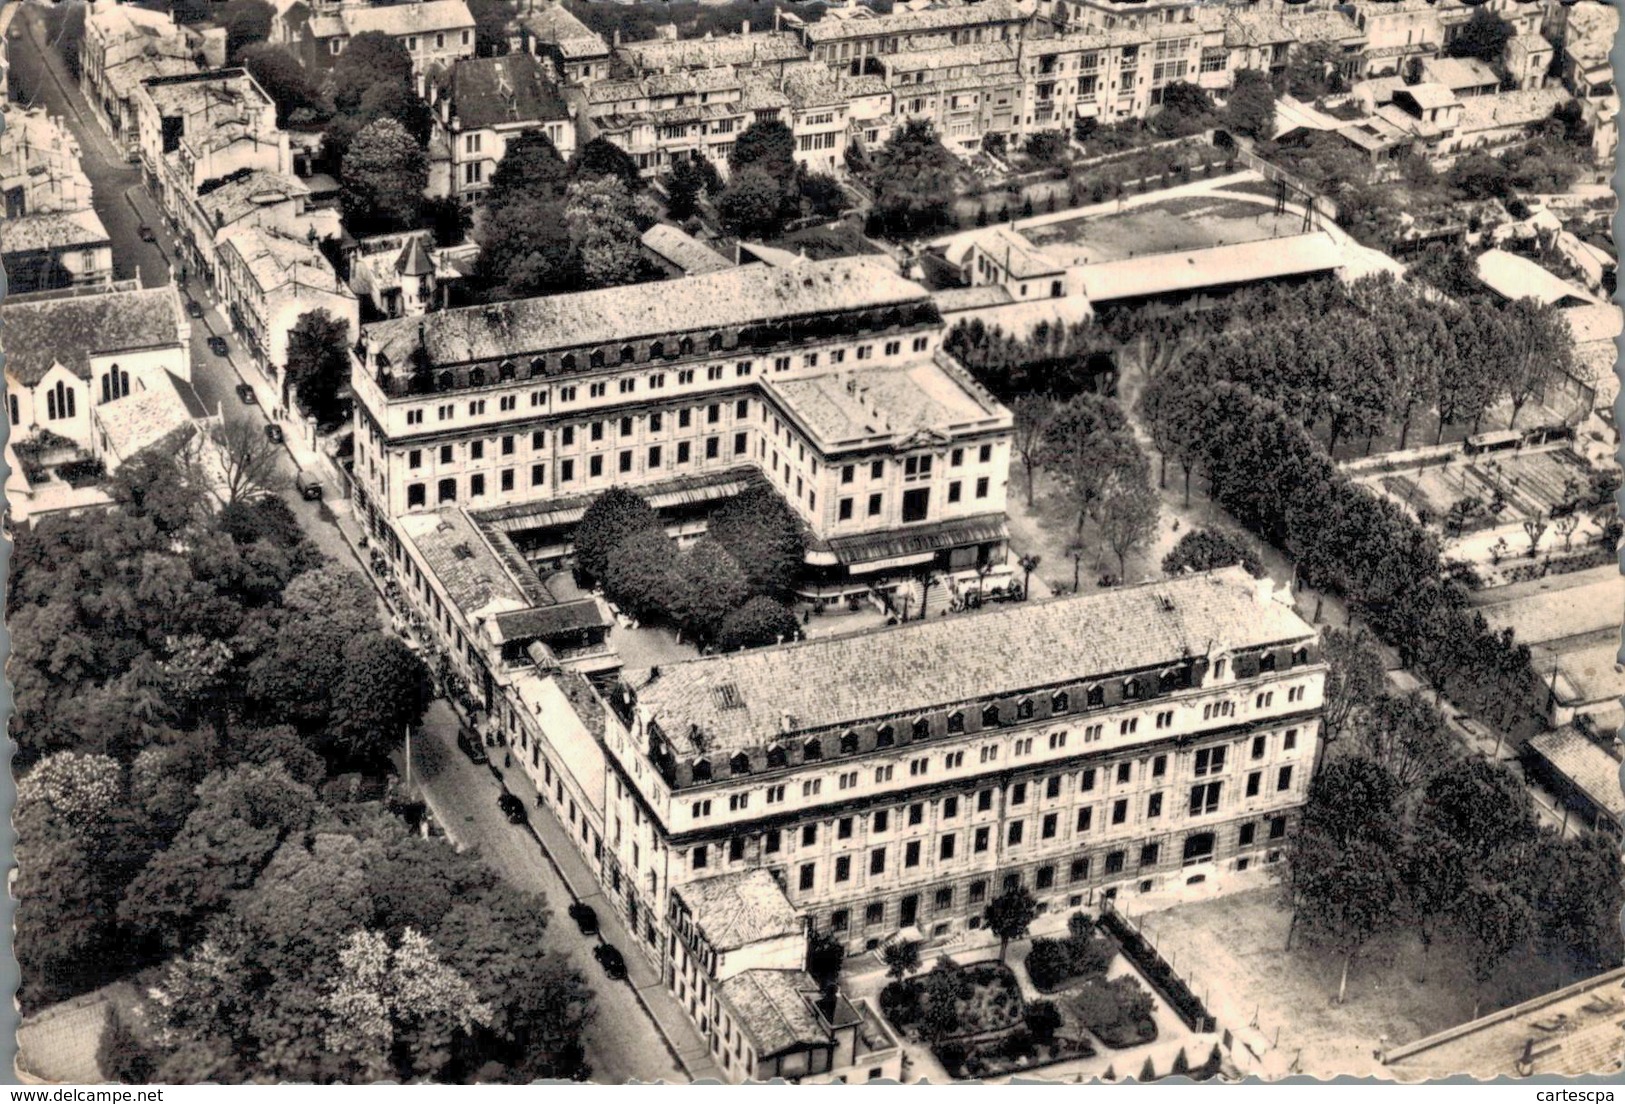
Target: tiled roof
pixel 460 559
pixel 1515 277
pixel 1592 770
pixel 1588 669
pixel 1256 29
pixel 169 60
pixel 1428 95
pixel 499 91
pixel 147 417
pixel 929 664
pixel 688 253
pixel 1505 109
pixel 849 406
pixel 71 329
pixel 815 85
pixel 219 96
pixel 734 910
pixel 737 297
pixel 1599 322
pixel 52 230
pixel 757 48
pixel 1323 26
pixel 775 1008
pixel 1456 73
pixel 544 622
pixel 555 26
pixel 946 56
pixel 915 22
pixel 275 260
pixel 404 19
pixel 239 198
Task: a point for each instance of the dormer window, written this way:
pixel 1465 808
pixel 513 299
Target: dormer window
pixel 1132 689
pixel 538 366
pixel 505 371
pixel 922 729
pixel 1060 703
pixel 740 763
pixel 1266 662
pixel 1300 657
pixel 812 749
pixel 567 362
pixel 596 359
pixel 686 346
pixel 1096 697
pixel 849 743
pixel 990 717
pixel 956 721
pixel 476 377
pixel 657 350
pixel 445 381
pixel 885 736
pixel 714 342
pixel 702 770
pixel 1024 709
pixel 776 758
pixel 628 355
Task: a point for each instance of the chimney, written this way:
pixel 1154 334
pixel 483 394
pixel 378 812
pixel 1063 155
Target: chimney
pixel 617 37
pixel 1264 590
pixel 744 26
pixel 787 722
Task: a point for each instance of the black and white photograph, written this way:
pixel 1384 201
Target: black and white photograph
pixel 831 542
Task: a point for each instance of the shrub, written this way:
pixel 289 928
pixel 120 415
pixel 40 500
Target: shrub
pixel 120 1055
pixel 1043 1020
pixel 900 1002
pixel 1018 1044
pixel 1049 964
pixel 952 1055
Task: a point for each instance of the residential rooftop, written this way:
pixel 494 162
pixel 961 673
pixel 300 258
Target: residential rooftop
pixel 1458 73
pixel 52 230
pixel 150 416
pixel 738 909
pixel 69 330
pixel 221 96
pixel 914 22
pixel 755 48
pixel 1507 109
pixel 1513 277
pixel 1592 770
pixel 239 196
pixel 775 1008
pixel 692 256
pixel 743 700
pixel 419 17
pixel 274 259
pixel 715 301
pixel 553 24
pixel 511 90
pixel 1552 615
pixel 851 406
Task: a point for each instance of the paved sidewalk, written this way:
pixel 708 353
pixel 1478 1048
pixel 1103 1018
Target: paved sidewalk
pixel 661 1005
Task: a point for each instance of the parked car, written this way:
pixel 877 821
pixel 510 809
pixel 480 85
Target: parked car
pixel 194 308
pixel 146 234
pixel 273 433
pixel 612 962
pixel 512 808
pixel 218 346
pixel 246 394
pixel 308 486
pixel 584 916
pixel 470 744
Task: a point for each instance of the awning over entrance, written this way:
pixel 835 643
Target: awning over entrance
pixel 881 550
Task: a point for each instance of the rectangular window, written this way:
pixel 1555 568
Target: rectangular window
pixel 1086 780
pixel 911 853
pixel 1114 862
pixel 916 504
pixel 874 505
pixel 843 868
pixel 808 870
pixel 1246 837
pixel 1120 810
pixel 1148 854
pixel 877 861
pixel 984 801
pixel 700 857
pixel 1018 794
pixel 1260 743
pixel 1085 819
pixel 1080 869
pixel 567 471
pixel 1049 826
pixel 624 461
pixel 1014 836
pixel 1254 780
pixel 843 827
pixel 981 487
pixel 1210 761
pixel 979 842
pixel 739 444
pixel 809 835
pixel 1153 805
pixel 507 479
pixel 1283 781
pixel 882 820
pixel 1205 798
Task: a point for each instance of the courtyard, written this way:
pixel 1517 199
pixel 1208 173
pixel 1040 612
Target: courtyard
pixel 1172 225
pixel 1282 1006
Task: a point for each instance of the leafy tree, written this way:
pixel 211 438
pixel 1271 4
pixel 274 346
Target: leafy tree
pixel 284 80
pixel 246 22
pixel 1010 915
pixel 383 177
pixel 601 157
pixel 759 622
pixel 688 179
pixel 1345 883
pixel 385 689
pixel 753 204
pixel 824 195
pixel 609 519
pixel 163 488
pixel 1209 549
pixel 1483 37
pixel 769 146
pixel 491 26
pixel 599 216
pixel 1579 895
pixel 1537 348
pixel 1250 109
pixel 709 585
pixel 1186 109
pixel 120 1055
pixel 640 575
pixel 1481 806
pixel 825 956
pixel 530 168
pixel 242 817
pixel 765 537
pixel 1406 734
pixel 319 364
pixel 369 59
pixel 1048 147
pixel 526 248
pixel 1032 414
pixel 1497 920
pixel 1085 443
pixel 1128 510
pixel 914 180
pixel 1043 1019
pixel 902 958
pixel 1355 678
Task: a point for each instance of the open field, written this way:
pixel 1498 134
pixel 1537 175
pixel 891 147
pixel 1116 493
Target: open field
pixel 1186 222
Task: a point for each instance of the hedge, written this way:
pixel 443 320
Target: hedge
pixel 1170 985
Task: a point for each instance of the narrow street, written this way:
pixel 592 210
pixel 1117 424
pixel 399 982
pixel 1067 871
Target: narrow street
pixel 622 1045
